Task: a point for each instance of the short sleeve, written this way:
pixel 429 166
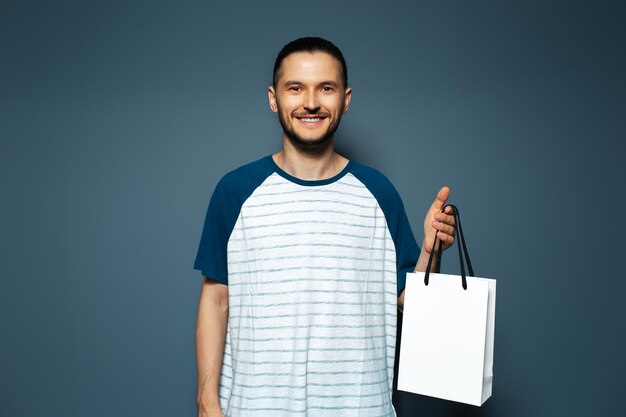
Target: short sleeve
pixel 224 207
pixel 219 221
pixel 407 250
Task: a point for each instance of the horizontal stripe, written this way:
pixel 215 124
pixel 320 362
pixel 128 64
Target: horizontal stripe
pixel 300 234
pixel 291 410
pixel 312 191
pixel 312 407
pixel 308 221
pixel 326 211
pixel 310 201
pixel 318 280
pixel 307 256
pixel 307 338
pixel 349 407
pixel 309 397
pixel 369 304
pixel 310 268
pixel 311 349
pixel 337 373
pixel 309 291
pixel 301 411
pixel 312 384
pixel 315 314
pixel 313 245
pixel 317 326
pixel 312 361
pixel 386 392
pixel 383 392
pixel 307 373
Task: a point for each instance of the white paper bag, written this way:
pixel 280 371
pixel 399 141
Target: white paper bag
pixel 446 349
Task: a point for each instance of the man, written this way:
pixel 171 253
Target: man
pixel 304 254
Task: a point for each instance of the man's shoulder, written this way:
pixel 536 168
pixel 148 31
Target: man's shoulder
pixel 373 179
pixel 245 176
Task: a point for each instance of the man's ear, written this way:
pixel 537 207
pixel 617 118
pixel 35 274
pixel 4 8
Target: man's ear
pixel 346 99
pixel 271 96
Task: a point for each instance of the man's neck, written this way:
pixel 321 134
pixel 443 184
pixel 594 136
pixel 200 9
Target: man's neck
pixel 320 165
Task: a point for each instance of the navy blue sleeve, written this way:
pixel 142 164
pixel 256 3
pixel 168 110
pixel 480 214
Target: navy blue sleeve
pixel 229 195
pixel 219 221
pixel 407 250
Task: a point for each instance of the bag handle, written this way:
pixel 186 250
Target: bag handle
pixel 460 243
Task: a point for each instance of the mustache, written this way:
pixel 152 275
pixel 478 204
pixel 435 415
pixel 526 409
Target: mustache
pixel 311 114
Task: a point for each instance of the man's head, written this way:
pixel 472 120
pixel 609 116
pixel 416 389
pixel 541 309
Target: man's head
pixel 309 91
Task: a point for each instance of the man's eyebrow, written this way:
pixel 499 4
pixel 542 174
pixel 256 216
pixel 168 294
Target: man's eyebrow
pixel 328 82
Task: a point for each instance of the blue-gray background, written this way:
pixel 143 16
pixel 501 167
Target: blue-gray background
pixel 118 118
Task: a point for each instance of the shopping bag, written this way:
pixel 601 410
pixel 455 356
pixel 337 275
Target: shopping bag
pixel 446 350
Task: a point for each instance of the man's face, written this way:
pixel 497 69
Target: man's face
pixel 309 98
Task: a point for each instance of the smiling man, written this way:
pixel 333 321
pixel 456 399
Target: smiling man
pixel 304 255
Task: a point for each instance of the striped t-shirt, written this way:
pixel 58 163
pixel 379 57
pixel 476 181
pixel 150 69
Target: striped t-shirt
pixel 314 269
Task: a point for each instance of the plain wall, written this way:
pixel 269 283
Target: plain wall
pixel 119 117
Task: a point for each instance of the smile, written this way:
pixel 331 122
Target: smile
pixel 311 120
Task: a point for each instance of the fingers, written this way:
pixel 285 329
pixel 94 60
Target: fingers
pixel 440 200
pixel 443 222
pixel 443 227
pixel 445 218
pixel 447 239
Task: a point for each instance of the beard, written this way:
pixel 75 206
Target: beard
pixel 307 144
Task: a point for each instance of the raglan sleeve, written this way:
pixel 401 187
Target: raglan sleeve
pixel 211 259
pixel 407 250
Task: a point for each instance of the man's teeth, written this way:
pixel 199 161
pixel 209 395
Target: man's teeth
pixel 310 120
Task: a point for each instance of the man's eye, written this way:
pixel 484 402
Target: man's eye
pixel 295 88
pixel 327 89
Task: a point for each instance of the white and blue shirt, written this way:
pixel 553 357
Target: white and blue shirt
pixel 314 269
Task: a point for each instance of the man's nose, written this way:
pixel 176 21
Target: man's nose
pixel 311 102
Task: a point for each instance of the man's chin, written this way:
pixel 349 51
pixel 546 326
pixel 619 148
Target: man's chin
pixel 310 143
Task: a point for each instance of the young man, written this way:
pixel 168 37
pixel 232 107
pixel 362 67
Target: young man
pixel 304 254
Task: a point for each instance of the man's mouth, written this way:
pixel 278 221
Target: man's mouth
pixel 311 119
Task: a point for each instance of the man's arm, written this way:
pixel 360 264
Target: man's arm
pixel 210 337
pixel 422 263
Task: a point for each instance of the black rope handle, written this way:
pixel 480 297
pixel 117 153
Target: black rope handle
pixel 460 230
pixel 462 250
